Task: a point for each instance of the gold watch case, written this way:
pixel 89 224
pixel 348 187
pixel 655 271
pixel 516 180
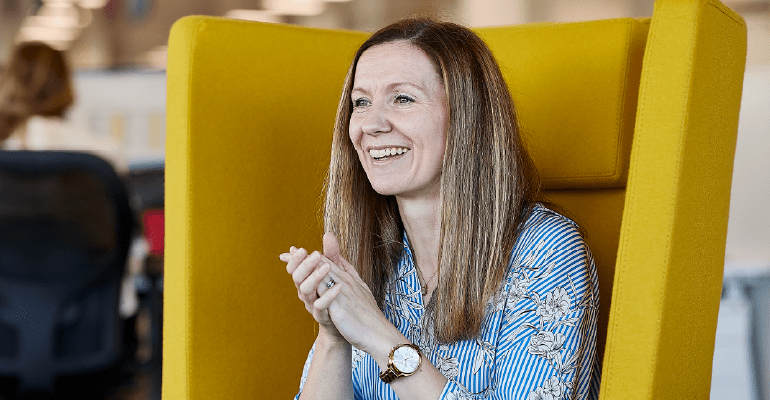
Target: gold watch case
pixel 403 360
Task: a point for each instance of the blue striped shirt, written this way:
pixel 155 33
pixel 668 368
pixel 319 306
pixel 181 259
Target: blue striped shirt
pixel 538 338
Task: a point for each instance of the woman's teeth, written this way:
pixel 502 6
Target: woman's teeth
pixel 382 153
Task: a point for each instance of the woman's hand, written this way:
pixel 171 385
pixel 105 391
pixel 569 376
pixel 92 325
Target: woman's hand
pixel 354 310
pixel 348 309
pixel 310 273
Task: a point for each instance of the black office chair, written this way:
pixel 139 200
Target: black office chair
pixel 65 231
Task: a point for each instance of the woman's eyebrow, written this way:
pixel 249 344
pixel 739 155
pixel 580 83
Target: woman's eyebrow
pixel 390 87
pixel 398 84
pixel 358 89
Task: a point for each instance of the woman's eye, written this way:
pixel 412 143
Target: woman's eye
pixel 360 103
pixel 403 99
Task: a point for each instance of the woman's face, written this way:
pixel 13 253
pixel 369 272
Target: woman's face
pixel 398 125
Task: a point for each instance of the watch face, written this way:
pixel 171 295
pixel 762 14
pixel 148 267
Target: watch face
pixel 406 359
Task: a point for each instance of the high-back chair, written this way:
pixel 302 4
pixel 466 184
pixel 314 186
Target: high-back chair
pixel 631 123
pixel 65 229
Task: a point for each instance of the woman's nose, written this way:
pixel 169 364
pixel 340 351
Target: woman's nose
pixel 375 121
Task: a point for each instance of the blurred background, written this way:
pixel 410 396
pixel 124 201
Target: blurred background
pixel 116 52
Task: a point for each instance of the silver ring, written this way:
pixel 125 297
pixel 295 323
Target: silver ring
pixel 330 283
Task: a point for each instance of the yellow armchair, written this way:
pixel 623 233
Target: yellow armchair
pixel 631 123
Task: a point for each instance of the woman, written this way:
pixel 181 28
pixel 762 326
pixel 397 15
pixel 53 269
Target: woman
pixel 448 280
pixel 36 91
pixel 36 82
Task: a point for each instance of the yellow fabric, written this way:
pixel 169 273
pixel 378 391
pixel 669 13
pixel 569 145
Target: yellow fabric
pixel 575 88
pixel 250 108
pixel 668 276
pixel 250 112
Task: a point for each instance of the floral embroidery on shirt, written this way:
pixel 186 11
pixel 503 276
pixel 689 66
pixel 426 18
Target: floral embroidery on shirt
pixel 448 366
pixel 552 389
pixel 358 355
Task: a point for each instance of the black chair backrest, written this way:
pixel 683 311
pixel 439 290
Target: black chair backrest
pixel 65 231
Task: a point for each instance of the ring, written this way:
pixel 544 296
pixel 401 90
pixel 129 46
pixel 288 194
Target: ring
pixel 330 283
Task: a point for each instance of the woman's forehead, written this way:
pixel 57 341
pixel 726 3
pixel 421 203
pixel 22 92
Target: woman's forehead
pixel 394 63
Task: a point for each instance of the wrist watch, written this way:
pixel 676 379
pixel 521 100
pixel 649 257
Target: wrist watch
pixel 403 360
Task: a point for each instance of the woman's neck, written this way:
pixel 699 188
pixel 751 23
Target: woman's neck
pixel 422 221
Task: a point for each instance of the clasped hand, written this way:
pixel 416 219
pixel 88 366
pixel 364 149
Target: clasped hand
pixel 348 309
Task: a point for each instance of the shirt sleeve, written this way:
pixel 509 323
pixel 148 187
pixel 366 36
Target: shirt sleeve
pixel 305 370
pixel 546 314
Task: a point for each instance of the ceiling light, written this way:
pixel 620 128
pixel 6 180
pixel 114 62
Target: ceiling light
pixel 254 15
pixel 295 7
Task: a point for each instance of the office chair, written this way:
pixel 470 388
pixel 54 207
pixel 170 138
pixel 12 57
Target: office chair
pixel 65 230
pixel 631 123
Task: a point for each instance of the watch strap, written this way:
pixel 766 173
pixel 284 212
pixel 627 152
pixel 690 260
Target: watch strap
pixel 388 375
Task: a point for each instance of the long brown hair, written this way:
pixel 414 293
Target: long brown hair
pixel 488 182
pixel 36 82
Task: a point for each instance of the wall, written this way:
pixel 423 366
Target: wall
pixel 748 233
pixel 129 106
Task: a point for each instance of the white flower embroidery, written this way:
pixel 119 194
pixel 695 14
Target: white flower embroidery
pixel 448 366
pixel 539 394
pixel 552 389
pixel 428 343
pixel 486 353
pixel 519 289
pixel 358 356
pixel 515 293
pixel 546 344
pixel 555 306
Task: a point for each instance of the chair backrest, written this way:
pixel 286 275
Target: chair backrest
pixel 65 229
pixel 633 134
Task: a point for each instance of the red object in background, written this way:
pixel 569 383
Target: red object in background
pixel 154 225
pixel 112 9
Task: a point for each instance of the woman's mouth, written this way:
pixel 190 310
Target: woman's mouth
pixel 382 154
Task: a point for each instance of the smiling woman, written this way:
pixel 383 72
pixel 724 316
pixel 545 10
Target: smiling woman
pixel 441 276
pixel 399 120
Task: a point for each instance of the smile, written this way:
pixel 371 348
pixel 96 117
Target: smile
pixel 384 153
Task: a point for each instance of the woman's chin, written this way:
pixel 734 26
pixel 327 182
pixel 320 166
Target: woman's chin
pixel 385 190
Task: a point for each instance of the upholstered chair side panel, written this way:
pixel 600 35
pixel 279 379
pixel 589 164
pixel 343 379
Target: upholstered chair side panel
pixel 249 148
pixel 175 292
pixel 671 254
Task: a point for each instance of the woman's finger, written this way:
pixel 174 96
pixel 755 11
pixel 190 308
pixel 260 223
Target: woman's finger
pixel 326 299
pixel 336 269
pixel 310 286
pixel 306 267
pixel 285 257
pixel 346 271
pixel 295 260
pixel 332 248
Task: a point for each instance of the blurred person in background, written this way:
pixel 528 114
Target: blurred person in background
pixel 35 93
